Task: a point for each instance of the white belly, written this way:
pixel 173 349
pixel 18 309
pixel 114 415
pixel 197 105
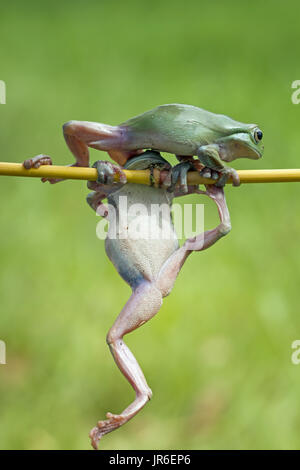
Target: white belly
pixel 143 237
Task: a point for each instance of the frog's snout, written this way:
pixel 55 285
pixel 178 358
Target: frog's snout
pixel 255 152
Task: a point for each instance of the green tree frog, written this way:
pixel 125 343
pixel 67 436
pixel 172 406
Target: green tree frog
pixel 180 129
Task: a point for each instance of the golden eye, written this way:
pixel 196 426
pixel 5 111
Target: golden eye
pixel 258 135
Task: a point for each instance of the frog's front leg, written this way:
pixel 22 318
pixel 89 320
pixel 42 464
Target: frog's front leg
pixel 104 186
pixel 179 173
pixel 143 304
pixel 172 266
pixel 210 158
pixel 210 237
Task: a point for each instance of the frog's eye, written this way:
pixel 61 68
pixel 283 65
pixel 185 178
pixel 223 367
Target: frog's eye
pixel 258 135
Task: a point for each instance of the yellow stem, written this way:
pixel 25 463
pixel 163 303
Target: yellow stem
pixel 143 176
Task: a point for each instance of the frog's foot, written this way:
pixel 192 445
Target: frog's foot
pixel 178 174
pixel 209 173
pixel 36 162
pixel 107 171
pixel 227 173
pixel 104 427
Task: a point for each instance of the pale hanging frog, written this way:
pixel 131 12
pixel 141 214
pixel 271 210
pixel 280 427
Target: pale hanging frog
pixel 183 130
pixel 149 265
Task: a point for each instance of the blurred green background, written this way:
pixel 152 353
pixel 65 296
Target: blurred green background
pixel 218 354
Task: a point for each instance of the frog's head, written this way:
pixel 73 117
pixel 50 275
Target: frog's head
pixel 243 142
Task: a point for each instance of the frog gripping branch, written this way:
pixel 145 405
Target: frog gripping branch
pixel 179 129
pixel 151 266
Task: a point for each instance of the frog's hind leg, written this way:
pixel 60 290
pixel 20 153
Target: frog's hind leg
pixel 143 304
pixel 170 269
pixel 80 135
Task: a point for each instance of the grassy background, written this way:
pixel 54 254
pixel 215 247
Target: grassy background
pixel 218 354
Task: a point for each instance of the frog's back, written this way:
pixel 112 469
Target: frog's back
pixel 178 128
